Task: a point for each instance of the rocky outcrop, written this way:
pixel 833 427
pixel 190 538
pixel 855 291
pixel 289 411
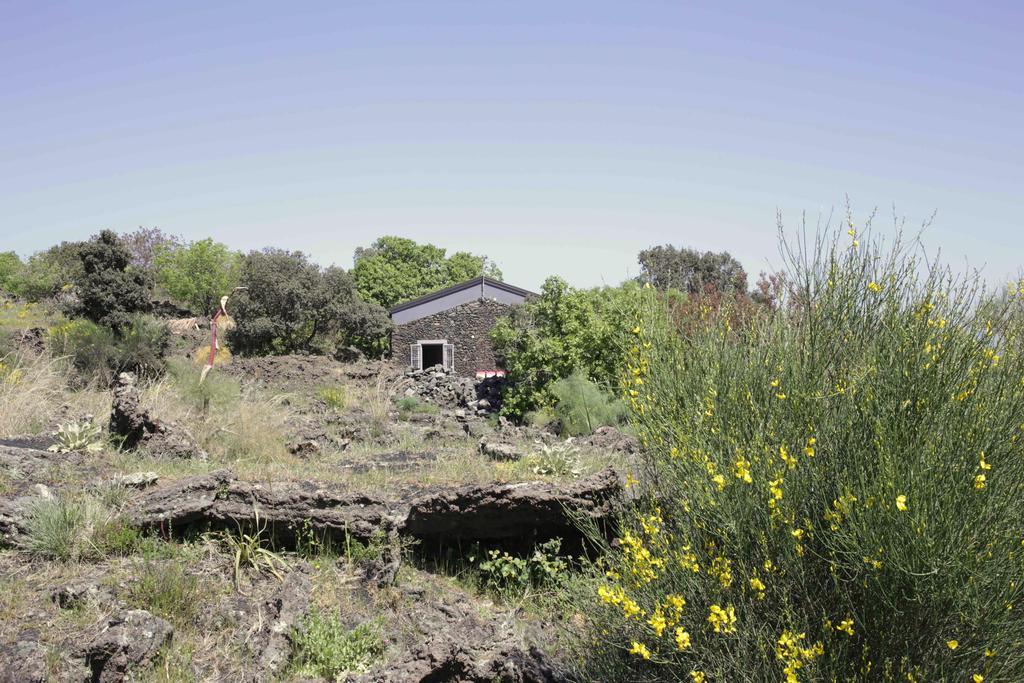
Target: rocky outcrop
pixel 513 513
pixel 278 616
pixel 23 661
pixel 131 639
pixel 503 513
pixel 459 644
pixel 133 425
pixel 218 500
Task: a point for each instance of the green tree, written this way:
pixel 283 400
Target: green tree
pixel 199 274
pixel 109 291
pixel 667 267
pixel 397 269
pixel 10 268
pixel 48 273
pixel 291 304
pixel 145 244
pixel 561 332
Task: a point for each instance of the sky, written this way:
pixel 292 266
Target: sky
pixel 555 137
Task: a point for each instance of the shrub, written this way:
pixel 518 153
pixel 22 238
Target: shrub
pixel 89 347
pixel 563 331
pixel 293 305
pixel 109 291
pixel 141 348
pixel 199 274
pixel 836 489
pixel 10 268
pixel 512 577
pixel 582 407
pixel 47 273
pixel 99 354
pixel 323 647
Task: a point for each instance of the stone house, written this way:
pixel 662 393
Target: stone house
pixel 451 327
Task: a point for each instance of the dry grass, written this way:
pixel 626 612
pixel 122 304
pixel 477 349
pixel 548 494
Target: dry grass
pixel 32 388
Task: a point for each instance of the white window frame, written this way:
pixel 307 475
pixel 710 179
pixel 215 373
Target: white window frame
pixel 447 353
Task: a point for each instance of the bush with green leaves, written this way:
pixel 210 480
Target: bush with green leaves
pixel 512 576
pixel 47 273
pixel 835 486
pixel 581 406
pixel 99 354
pixel 109 290
pixel 563 331
pixel 323 647
pixel 292 305
pixel 73 529
pixel 198 274
pixel 10 268
pixel 397 269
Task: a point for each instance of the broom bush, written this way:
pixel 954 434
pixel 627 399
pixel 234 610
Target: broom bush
pixel 835 487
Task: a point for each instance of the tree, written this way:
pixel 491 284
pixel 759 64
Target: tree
pixel 10 268
pixel 293 305
pixel 667 267
pixel 397 269
pixel 199 274
pixel 144 244
pixel 562 332
pixel 109 290
pixel 48 273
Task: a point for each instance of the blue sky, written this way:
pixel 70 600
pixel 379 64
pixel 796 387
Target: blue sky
pixel 557 137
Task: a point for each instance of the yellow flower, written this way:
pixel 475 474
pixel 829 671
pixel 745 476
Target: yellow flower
pixel 977 678
pixel 640 650
pixel 798 534
pixel 719 481
pixel 682 639
pixel 952 644
pixel 723 619
pixel 979 482
pixel 874 286
pixel 901 503
pixel 846 626
pixel 698 676
pixel 657 622
pixel 743 470
pixel 982 464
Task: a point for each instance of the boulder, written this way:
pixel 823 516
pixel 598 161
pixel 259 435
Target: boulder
pixel 611 439
pixel 130 640
pixel 134 426
pixel 497 450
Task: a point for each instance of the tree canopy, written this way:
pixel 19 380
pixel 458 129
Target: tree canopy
pixel 109 291
pixel 397 269
pixel 199 274
pixel 291 304
pixel 668 267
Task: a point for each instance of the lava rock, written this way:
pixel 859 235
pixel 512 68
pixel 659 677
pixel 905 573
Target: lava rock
pixel 130 640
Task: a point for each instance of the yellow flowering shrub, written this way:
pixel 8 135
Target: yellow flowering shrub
pixel 835 489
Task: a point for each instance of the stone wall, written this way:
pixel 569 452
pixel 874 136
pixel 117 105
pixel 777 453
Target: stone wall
pixel 467 326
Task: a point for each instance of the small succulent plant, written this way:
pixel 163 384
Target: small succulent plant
pixel 78 436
